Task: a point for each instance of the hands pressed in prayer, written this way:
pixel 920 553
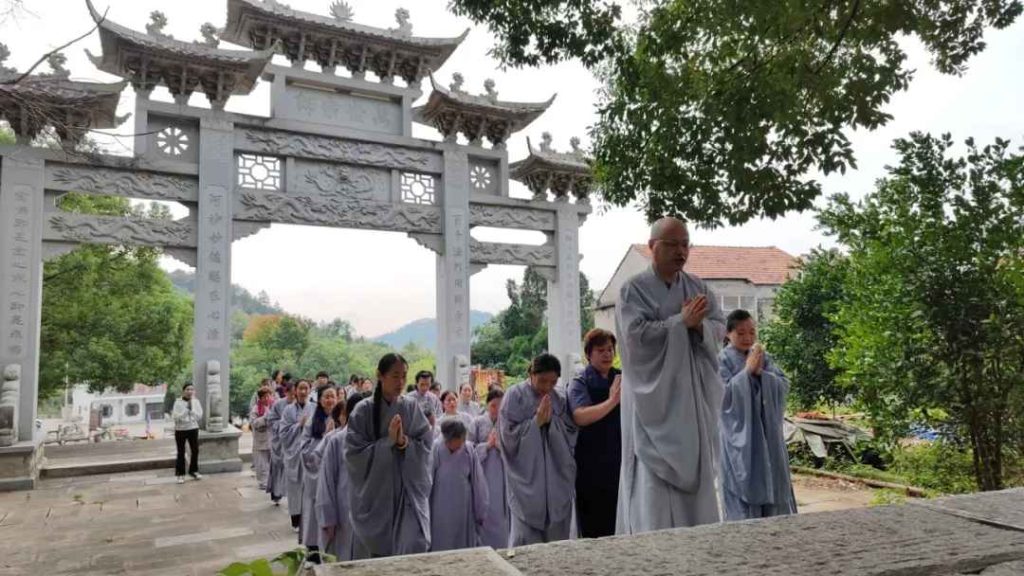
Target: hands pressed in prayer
pixel 755 360
pixel 694 311
pixel 615 396
pixel 395 432
pixel 330 424
pixel 544 410
pixel 302 421
pixel 492 439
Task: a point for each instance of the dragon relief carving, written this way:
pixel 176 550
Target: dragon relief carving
pixel 508 217
pixel 498 253
pixel 122 230
pixel 340 211
pixel 323 147
pixel 337 179
pixel 121 183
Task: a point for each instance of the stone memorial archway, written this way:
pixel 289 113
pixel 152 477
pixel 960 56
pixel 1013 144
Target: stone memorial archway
pixel 337 151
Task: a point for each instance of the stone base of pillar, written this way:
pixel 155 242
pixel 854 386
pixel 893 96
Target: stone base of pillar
pixel 218 451
pixel 19 465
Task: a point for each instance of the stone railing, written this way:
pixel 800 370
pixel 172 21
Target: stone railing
pixel 977 534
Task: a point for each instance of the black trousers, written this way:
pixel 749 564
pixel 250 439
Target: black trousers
pixel 192 437
pixel 596 504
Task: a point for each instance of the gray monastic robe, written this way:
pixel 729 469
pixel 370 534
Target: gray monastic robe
pixel 291 442
pixel 671 399
pixel 332 491
pixel 473 409
pixel 426 401
pixel 755 464
pixel 389 488
pixel 260 444
pixel 458 498
pixel 539 465
pixel 312 454
pixel 494 532
pixel 277 485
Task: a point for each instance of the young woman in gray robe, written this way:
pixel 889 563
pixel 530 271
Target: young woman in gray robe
pixel 484 436
pixel 277 485
pixel 458 498
pixel 313 435
pixel 671 329
pixel 755 464
pixel 387 454
pixel 537 436
pixel 466 403
pixel 292 424
pixel 332 492
pixel 261 435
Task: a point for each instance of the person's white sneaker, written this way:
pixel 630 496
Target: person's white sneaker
pixel 181 479
pixel 197 476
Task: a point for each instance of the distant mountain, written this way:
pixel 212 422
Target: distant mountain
pixel 424 331
pixel 241 299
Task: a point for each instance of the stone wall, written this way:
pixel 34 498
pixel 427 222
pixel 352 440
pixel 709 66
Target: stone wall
pixel 976 534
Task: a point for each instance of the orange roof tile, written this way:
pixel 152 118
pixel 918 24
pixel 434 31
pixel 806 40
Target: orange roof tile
pixel 757 265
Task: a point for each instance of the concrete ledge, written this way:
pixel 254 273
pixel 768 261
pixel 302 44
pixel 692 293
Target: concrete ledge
pixel 19 465
pixel 975 534
pixel 218 451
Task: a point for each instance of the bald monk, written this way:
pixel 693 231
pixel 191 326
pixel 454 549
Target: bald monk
pixel 671 328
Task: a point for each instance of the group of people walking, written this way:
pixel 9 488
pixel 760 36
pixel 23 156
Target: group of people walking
pixel 688 432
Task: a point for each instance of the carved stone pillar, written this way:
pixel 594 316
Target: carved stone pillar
pixel 453 272
pixel 21 293
pixel 564 338
pixel 21 280
pixel 212 335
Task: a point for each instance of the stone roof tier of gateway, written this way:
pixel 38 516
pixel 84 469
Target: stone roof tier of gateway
pixel 765 265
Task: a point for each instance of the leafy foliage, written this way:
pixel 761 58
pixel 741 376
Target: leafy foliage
pixel 719 111
pixel 512 338
pixel 110 317
pixel 933 309
pixel 803 334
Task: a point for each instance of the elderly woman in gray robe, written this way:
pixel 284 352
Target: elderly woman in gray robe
pixel 387 453
pixel 671 329
pixel 293 422
pixel 537 436
pixel 755 464
pixel 458 499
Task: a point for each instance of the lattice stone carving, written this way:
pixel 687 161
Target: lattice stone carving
pixel 480 177
pixel 172 141
pixel 259 172
pixel 418 189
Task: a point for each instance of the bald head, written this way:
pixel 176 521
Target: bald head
pixel 667 225
pixel 670 247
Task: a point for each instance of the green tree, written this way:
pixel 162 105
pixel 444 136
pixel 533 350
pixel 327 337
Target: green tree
pixel 110 316
pixel 933 315
pixel 512 338
pixel 723 111
pixel 803 334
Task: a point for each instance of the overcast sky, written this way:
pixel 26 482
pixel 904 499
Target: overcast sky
pixel 380 280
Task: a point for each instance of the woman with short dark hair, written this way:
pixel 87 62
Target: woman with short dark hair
pixel 594 400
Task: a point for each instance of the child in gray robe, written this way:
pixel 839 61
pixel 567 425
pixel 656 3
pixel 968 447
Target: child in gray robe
pixel 755 463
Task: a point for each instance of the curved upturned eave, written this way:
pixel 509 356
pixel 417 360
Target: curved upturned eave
pixel 111 32
pixel 233 32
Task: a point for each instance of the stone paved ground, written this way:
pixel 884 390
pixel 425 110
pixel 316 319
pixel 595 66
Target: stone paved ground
pixel 144 523
pixel 139 523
